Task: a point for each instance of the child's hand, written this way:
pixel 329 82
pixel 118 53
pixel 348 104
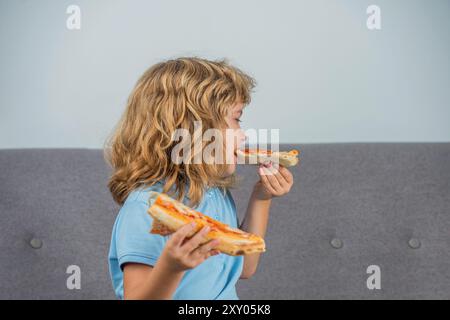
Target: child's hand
pixel 275 181
pixel 181 253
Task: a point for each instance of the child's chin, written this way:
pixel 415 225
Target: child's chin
pixel 231 168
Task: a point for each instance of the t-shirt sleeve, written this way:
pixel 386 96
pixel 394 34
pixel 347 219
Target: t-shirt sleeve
pixel 134 242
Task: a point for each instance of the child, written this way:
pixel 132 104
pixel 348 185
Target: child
pixel 173 95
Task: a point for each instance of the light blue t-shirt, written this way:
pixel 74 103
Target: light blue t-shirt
pixel 215 278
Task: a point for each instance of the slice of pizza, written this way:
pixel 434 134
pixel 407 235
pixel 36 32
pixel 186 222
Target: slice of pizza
pixel 169 215
pixel 258 156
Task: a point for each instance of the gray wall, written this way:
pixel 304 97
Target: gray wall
pixel 321 72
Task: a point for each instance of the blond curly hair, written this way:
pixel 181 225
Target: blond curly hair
pixel 172 95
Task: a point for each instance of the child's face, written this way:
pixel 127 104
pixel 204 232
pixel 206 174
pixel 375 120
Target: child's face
pixel 233 121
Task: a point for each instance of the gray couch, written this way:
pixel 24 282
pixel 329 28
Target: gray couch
pixel 352 206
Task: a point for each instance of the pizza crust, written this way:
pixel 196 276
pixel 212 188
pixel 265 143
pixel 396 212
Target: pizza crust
pixel 284 158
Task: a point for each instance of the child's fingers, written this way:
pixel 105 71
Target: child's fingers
pixel 206 249
pixel 265 181
pixel 286 174
pixel 214 252
pixel 178 236
pixel 196 240
pixel 272 179
pixel 274 168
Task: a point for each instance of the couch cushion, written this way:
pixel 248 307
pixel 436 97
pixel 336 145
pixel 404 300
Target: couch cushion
pixel 352 205
pixel 60 197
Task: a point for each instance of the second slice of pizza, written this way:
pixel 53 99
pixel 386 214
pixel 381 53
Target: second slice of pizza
pixel 169 215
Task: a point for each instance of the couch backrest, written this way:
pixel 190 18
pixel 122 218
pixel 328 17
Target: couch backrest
pixel 352 206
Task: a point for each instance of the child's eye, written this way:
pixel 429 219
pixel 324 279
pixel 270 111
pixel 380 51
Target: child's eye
pixel 238 120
